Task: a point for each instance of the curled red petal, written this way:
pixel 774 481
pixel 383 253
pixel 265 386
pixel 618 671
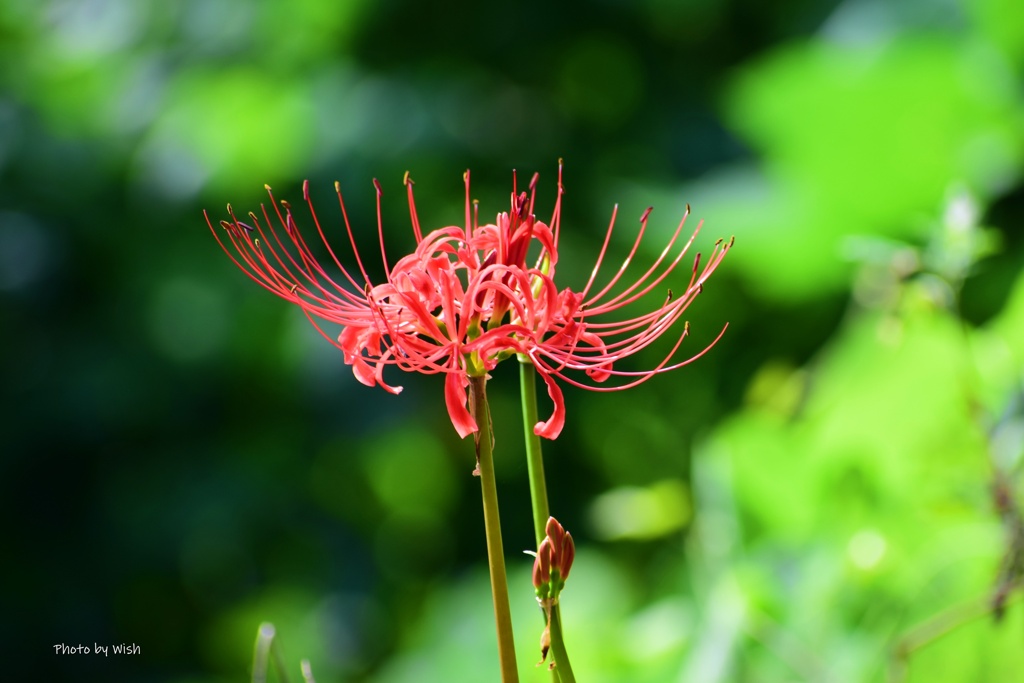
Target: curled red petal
pixel 363 372
pixel 552 427
pixel 455 398
pixel 352 341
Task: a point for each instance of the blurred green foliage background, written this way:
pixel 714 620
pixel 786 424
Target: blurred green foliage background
pixel 831 494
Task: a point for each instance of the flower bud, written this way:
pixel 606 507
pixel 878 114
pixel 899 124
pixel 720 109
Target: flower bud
pixel 542 567
pixel 566 556
pixel 555 532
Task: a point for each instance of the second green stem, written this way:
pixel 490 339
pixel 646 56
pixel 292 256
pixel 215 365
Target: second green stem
pixel 562 673
pixel 534 456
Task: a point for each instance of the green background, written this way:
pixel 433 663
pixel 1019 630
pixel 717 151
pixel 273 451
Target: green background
pixel 183 457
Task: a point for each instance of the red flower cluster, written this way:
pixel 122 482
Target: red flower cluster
pixel 466 299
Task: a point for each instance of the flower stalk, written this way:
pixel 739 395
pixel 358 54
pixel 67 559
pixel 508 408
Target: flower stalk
pixel 492 527
pixel 562 669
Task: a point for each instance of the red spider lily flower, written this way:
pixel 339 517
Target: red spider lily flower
pixel 466 299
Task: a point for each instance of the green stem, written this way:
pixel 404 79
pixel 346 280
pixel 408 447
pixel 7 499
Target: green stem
pixel 563 669
pixel 492 527
pixel 562 673
pixel 534 456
